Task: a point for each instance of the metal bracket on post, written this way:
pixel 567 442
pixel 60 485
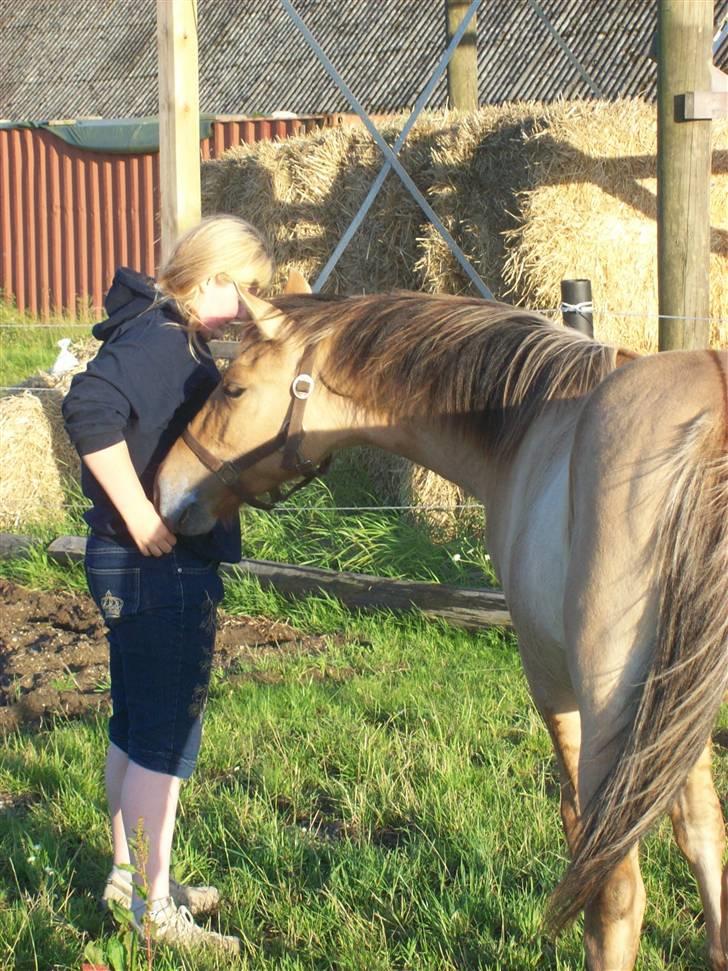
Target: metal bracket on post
pixel 707 105
pixel 702 106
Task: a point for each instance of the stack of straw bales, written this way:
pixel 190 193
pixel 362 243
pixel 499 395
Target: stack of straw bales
pixel 532 193
pixel 305 191
pixel 591 211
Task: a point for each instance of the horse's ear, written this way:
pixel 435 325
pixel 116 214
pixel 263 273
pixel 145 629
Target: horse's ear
pixel 264 315
pixel 296 283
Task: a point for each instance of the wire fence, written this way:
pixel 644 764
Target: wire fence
pixel 418 508
pixel 546 311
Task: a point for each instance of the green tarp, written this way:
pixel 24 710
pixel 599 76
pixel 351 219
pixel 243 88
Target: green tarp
pixel 119 136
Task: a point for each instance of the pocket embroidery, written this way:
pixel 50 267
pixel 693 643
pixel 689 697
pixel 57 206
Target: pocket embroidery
pixel 111 606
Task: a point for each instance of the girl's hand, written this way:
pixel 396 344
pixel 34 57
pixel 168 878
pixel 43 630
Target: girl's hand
pixel 113 469
pixel 149 531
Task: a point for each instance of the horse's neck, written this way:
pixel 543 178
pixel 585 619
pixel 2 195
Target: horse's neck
pixel 429 444
pixel 530 486
pixel 460 458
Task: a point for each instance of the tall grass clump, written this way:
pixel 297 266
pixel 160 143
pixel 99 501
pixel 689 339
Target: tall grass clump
pixel 329 525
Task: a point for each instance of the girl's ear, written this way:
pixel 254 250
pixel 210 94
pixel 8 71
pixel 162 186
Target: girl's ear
pixel 265 316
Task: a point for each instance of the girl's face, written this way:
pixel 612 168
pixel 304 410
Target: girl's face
pixel 218 303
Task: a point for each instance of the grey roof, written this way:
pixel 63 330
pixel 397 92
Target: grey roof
pixel 76 58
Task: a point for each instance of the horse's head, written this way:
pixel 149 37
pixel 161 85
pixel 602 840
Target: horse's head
pixel 247 439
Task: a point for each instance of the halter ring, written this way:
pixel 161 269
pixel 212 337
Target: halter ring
pixel 302 393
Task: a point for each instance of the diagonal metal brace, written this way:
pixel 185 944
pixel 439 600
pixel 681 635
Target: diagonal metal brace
pixel 390 156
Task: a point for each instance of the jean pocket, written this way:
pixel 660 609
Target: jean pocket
pixel 116 592
pixel 201 578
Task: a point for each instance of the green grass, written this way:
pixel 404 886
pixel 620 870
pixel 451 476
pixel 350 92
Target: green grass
pixel 309 530
pixel 27 346
pixel 390 804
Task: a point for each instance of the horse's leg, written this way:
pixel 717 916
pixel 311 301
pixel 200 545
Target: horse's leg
pixel 612 922
pixel 697 821
pixel 699 830
pixel 565 731
pixel 613 919
pixel 550 685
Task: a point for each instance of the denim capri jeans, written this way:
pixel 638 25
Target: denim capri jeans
pixel 160 613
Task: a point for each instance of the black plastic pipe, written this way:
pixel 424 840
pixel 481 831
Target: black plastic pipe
pixel 576 305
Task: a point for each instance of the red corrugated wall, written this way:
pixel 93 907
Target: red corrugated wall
pixel 69 217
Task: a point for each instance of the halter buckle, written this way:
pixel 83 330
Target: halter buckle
pixel 228 475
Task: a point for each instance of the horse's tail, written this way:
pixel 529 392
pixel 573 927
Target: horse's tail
pixel 688 673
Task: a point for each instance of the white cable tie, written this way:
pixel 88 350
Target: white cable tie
pixel 585 307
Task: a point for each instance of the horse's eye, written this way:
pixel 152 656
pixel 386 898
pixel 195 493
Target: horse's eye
pixel 232 390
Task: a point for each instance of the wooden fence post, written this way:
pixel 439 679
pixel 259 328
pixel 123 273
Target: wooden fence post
pixel 683 174
pixel 462 71
pixel 179 119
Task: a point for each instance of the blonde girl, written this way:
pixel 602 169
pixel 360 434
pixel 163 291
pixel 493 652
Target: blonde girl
pixel 157 592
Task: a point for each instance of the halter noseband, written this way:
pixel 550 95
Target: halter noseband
pixel 289 439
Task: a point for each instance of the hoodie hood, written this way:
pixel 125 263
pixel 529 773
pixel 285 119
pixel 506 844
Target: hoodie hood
pixel 130 294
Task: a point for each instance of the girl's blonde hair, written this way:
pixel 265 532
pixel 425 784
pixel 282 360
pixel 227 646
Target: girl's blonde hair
pixel 224 247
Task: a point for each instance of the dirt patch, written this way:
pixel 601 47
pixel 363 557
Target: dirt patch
pixel 54 656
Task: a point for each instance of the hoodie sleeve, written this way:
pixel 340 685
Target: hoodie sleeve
pixel 95 412
pixel 145 374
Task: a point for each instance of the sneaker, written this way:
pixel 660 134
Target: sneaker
pixel 175 925
pixel 198 900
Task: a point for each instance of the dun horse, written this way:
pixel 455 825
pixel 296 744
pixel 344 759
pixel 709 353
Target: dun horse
pixel 605 483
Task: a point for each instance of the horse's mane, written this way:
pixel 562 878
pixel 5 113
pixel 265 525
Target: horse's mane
pixel 486 367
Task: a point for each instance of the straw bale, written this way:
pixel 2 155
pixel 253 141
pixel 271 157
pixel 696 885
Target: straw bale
pixel 591 212
pixel 30 487
pixel 305 191
pixel 52 390
pixel 38 458
pixel 532 193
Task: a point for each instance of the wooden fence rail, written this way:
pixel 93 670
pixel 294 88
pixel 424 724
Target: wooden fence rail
pixel 461 606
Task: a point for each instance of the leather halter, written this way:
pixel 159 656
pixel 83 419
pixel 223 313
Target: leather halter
pixel 289 439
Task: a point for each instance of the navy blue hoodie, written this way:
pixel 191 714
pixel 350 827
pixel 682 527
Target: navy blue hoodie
pixel 143 387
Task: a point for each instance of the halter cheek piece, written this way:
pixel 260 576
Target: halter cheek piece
pixel 289 439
